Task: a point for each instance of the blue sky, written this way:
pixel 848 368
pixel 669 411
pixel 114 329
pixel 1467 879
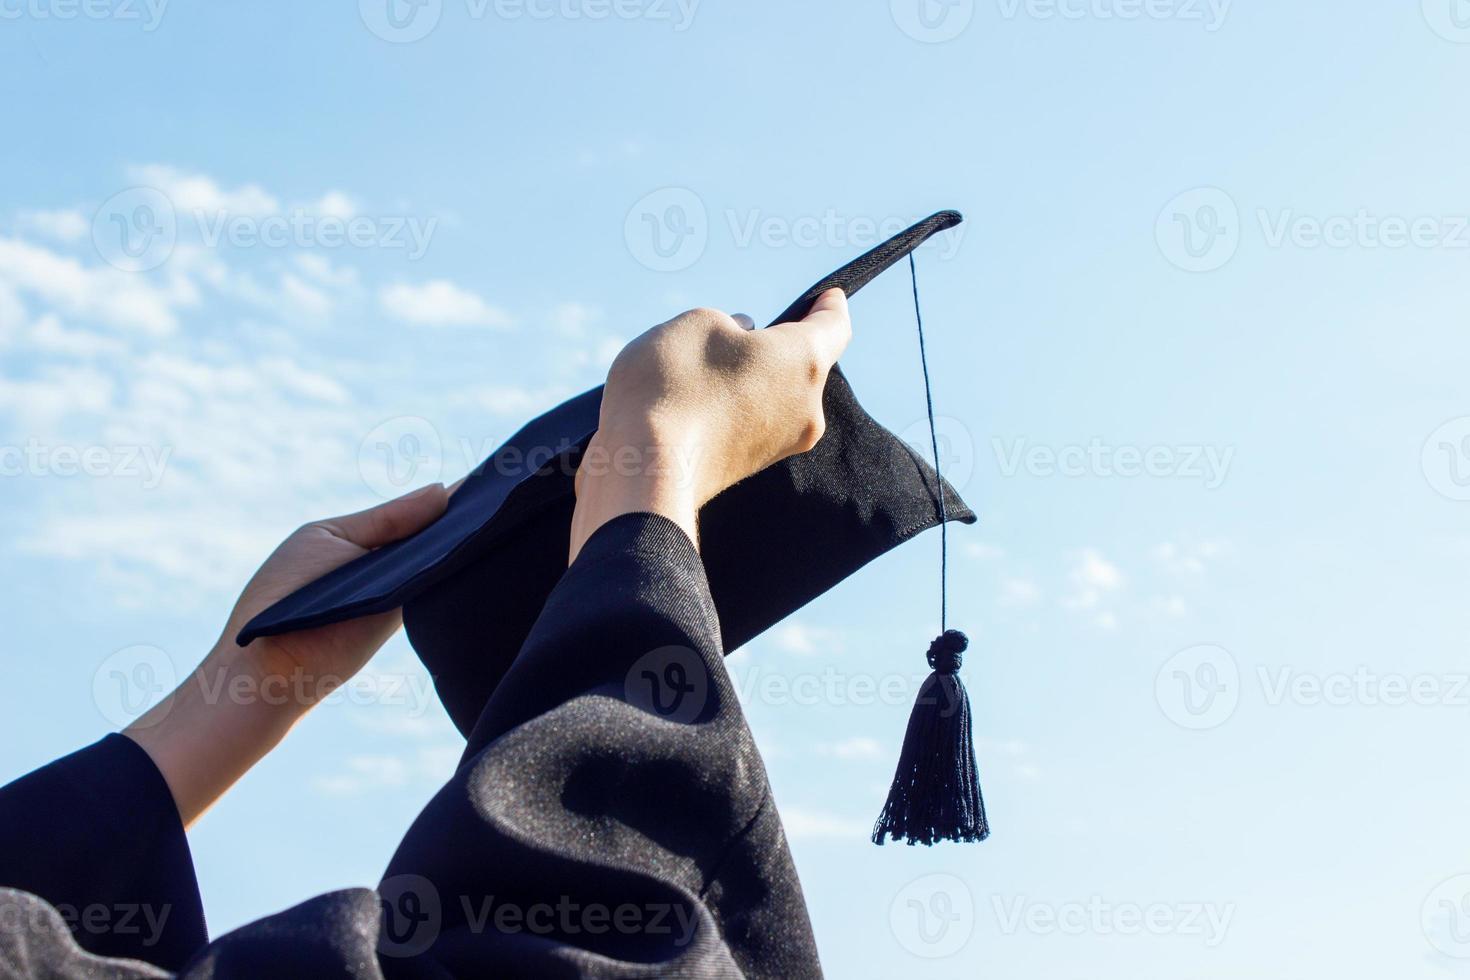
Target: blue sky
pixel 1199 351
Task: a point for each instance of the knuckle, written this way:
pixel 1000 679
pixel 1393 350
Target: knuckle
pixel 711 316
pixel 812 431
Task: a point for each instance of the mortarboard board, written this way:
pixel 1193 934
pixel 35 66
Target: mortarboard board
pixel 473 583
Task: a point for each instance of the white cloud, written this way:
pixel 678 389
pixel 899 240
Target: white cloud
pixel 572 318
pixel 67 226
pixel 514 401
pixel 795 636
pixel 305 298
pixel 12 312
pixel 48 334
pixel 368 772
pixel 440 302
pixel 101 292
pixel 334 204
pixel 192 193
pixel 320 268
pixel 1095 581
pixel 1185 560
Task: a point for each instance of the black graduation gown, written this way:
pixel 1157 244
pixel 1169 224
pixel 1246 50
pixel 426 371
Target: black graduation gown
pixel 610 817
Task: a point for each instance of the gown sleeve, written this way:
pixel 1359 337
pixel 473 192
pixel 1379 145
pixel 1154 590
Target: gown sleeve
pixel 96 837
pixel 610 816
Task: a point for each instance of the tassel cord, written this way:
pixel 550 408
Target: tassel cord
pixel 934 446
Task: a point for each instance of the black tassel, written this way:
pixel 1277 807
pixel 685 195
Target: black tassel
pixel 936 789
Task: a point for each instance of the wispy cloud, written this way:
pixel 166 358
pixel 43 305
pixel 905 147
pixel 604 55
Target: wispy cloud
pixel 1095 581
pixel 440 302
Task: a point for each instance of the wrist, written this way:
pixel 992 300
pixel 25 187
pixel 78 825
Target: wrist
pixel 225 716
pixel 627 473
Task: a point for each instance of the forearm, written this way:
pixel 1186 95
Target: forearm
pixel 219 722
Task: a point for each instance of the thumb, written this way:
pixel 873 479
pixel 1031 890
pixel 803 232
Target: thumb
pixel 827 328
pixel 391 521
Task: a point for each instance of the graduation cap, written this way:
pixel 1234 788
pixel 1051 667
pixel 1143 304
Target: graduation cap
pixel 472 584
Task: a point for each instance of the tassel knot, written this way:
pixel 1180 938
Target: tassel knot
pixel 946 652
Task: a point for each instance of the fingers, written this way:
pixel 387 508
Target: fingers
pixel 388 522
pixel 826 330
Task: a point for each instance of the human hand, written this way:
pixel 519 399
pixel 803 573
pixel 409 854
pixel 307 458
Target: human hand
pixel 698 404
pixel 241 701
pixel 341 649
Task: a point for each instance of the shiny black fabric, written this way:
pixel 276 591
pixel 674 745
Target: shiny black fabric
pixel 611 818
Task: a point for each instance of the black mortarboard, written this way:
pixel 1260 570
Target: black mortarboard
pixel 472 584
